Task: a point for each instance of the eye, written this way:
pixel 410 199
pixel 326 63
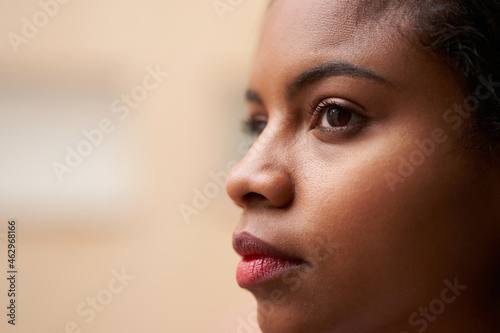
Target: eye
pixel 336 117
pixel 333 115
pixel 255 125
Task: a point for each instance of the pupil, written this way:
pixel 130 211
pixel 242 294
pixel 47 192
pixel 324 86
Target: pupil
pixel 338 117
pixel 259 127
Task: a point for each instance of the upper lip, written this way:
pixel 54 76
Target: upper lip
pixel 249 246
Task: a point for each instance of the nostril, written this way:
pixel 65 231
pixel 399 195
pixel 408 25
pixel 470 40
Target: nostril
pixel 253 197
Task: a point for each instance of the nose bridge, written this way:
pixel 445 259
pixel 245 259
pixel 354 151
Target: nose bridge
pixel 264 172
pixel 267 146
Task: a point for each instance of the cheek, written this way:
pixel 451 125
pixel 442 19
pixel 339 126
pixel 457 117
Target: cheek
pixel 382 232
pixel 393 173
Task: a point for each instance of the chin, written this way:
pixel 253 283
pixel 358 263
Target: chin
pixel 291 318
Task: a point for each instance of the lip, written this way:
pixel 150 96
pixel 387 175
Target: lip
pixel 261 262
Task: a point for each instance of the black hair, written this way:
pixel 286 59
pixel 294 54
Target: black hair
pixel 465 34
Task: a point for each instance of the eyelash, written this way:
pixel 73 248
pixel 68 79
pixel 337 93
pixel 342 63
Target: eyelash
pixel 324 106
pixel 315 111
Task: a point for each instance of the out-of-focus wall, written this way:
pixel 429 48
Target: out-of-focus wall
pixel 114 117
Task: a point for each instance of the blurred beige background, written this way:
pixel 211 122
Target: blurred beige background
pixel 116 212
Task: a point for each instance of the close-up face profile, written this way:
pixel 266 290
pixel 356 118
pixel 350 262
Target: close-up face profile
pixel 367 204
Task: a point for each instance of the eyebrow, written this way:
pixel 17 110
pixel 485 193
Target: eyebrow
pixel 316 74
pixel 331 69
pixel 252 96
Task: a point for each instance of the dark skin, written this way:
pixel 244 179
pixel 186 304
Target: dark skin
pixel 315 186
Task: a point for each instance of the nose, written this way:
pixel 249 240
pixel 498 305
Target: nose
pixel 263 175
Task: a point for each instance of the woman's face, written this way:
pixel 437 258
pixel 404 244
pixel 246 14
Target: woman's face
pixel 357 184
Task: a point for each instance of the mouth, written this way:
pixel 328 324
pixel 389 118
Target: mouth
pixel 261 262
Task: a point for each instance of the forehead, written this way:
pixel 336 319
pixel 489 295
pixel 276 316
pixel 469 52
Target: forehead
pixel 299 34
pixel 335 18
pixel 319 18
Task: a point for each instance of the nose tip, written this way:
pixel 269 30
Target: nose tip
pixel 262 183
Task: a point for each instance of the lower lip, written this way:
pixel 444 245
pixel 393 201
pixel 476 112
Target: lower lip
pixel 252 272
